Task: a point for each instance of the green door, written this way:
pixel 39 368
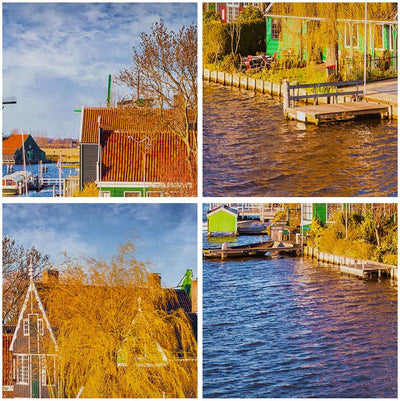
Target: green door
pixel 35 376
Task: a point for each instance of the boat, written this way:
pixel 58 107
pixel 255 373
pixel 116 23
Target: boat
pixel 14 184
pixel 251 228
pixel 257 249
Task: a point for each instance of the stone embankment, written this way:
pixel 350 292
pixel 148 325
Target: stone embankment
pixel 348 265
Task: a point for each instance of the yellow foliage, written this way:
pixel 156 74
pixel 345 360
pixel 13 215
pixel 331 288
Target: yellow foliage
pixel 89 190
pixel 116 334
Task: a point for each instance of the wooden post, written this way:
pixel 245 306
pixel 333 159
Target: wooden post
pixel 285 93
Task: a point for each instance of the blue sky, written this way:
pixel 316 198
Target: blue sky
pixel 166 234
pixel 57 57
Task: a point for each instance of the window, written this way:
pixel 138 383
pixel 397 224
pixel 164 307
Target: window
pixel 104 194
pixel 26 327
pixel 22 369
pixel 48 370
pixel 154 194
pixel 40 327
pixel 276 28
pixel 132 194
pixel 307 212
pixel 351 35
pixel 378 37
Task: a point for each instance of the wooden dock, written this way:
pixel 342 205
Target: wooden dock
pixel 365 270
pixel 340 105
pixel 337 112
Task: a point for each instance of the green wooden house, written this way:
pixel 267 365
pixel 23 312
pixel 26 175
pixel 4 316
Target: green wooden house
pixel 292 36
pixel 222 221
pixel 320 211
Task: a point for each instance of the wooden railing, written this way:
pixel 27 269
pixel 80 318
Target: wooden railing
pixel 293 93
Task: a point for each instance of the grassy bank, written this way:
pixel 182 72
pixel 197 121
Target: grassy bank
pixel 362 236
pixel 67 154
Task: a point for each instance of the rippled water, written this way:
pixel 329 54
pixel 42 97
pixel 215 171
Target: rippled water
pixel 249 150
pixel 288 328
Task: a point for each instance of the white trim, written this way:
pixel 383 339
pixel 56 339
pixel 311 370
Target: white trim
pixel 32 288
pixel 24 365
pixel 123 184
pixel 81 129
pixel 25 327
pixel 222 208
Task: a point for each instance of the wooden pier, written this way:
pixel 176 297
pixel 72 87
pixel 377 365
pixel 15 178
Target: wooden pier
pixel 339 106
pixel 337 112
pixel 353 266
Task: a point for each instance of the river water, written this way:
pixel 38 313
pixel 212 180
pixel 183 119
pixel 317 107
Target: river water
pixel 249 150
pixel 52 172
pixel 288 327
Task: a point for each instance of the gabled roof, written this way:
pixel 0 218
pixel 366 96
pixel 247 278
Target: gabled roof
pixel 130 120
pixel 222 208
pixel 13 143
pixel 32 290
pixel 122 156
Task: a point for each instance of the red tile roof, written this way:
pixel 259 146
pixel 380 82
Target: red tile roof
pixel 13 143
pixel 122 120
pixel 122 157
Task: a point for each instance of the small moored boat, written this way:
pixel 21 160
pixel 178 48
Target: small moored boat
pixel 13 184
pixel 257 249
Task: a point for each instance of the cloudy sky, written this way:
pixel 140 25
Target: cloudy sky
pixel 57 57
pixel 166 234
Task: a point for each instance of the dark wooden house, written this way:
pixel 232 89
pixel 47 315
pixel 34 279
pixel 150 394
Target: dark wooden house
pixel 14 147
pixel 33 347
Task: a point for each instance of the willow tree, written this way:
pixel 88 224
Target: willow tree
pixel 323 21
pixel 117 334
pixel 163 77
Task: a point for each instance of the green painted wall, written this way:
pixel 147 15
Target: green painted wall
pixel 119 192
pixel 222 222
pixel 319 212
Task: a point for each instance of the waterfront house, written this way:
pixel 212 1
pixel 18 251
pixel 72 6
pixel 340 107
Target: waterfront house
pixel 222 221
pixel 15 144
pixel 34 342
pixel 132 152
pixel 291 34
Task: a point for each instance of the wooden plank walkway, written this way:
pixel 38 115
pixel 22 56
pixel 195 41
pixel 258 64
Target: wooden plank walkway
pixel 336 112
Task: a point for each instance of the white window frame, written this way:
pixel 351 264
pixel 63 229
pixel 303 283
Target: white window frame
pixel 25 327
pixel 307 212
pixel 274 22
pixel 22 369
pixel 349 35
pixel 40 327
pixel 382 26
pixel 133 192
pixel 104 194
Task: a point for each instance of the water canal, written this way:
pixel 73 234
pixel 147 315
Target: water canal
pixel 249 150
pixel 285 327
pixel 52 172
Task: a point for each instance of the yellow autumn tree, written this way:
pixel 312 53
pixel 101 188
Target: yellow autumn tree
pixel 119 333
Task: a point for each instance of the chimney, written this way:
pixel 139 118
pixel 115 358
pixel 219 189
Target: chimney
pixel 194 296
pixel 154 280
pixel 50 275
